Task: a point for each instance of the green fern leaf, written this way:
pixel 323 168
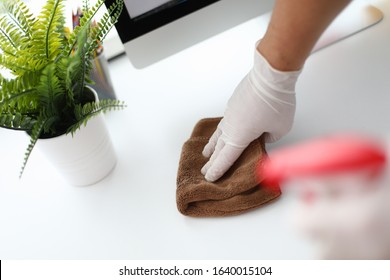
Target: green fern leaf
pixel 19 21
pixel 89 14
pixel 19 93
pixel 7 45
pixel 35 133
pixel 85 5
pixel 48 33
pixel 50 92
pixel 85 22
pixel 17 64
pixel 17 121
pixel 105 24
pixel 81 62
pixel 89 110
pixel 67 66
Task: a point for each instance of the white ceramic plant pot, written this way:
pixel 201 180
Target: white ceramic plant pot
pixel 84 158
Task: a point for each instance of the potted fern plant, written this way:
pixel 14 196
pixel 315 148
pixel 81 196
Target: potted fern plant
pixel 44 86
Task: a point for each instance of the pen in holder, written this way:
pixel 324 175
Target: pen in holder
pixel 101 76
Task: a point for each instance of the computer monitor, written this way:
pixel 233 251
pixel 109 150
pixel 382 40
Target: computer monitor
pixel 155 29
pixel 151 30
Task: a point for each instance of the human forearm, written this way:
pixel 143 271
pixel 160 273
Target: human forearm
pixel 295 27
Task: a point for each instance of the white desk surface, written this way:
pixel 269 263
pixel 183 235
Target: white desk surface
pixel 132 213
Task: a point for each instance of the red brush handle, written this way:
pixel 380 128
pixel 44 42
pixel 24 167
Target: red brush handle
pixel 327 155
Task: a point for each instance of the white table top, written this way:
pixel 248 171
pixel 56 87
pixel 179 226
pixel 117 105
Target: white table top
pixel 132 213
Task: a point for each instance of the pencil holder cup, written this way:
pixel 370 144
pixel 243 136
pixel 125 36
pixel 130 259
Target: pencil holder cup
pixel 101 76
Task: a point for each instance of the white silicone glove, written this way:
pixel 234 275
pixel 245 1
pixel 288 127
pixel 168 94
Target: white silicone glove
pixel 264 102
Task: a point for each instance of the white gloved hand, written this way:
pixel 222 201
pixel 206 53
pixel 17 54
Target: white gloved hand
pixel 264 102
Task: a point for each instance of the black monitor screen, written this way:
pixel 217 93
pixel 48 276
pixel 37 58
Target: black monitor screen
pixel 142 16
pixel 141 9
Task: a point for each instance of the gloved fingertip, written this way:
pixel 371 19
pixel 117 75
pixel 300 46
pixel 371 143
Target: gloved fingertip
pixel 210 147
pixel 203 170
pixel 212 176
pixel 206 152
pixel 210 179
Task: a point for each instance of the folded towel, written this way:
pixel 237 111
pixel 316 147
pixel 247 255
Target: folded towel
pixel 238 191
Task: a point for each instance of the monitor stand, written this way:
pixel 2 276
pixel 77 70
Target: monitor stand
pixel 358 16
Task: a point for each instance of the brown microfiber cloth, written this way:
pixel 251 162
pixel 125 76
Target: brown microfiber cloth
pixel 236 192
